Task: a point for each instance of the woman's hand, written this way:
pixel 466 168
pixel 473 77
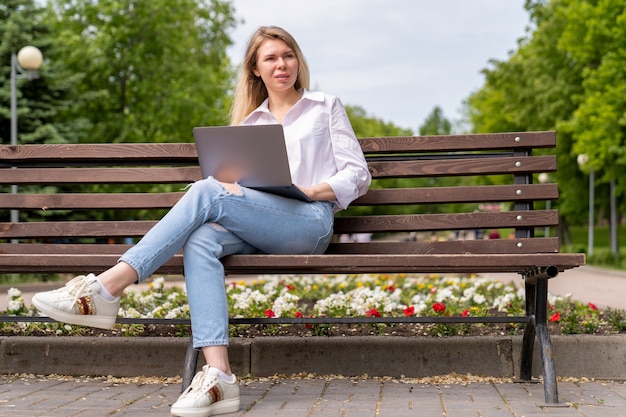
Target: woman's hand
pixel 319 192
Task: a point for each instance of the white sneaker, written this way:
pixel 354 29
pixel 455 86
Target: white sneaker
pixel 207 395
pixel 79 302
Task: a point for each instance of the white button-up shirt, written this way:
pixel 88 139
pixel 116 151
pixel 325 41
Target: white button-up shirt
pixel 321 145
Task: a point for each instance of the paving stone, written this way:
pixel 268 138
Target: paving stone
pixel 317 397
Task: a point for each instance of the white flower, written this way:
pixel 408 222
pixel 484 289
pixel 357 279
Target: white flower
pixel 285 302
pixel 178 312
pixel 131 312
pixel 444 294
pixel 14 306
pixel 468 293
pixel 14 293
pixel 157 283
pixel 479 299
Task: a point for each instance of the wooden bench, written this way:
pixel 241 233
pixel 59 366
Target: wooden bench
pixel 434 175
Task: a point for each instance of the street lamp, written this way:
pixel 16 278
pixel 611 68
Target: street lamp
pixel 543 179
pixel 582 160
pixel 23 65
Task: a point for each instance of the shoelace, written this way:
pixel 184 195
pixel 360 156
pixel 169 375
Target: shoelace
pixel 76 286
pixel 200 384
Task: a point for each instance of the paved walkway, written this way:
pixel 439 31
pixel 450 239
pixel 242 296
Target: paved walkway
pixel 315 397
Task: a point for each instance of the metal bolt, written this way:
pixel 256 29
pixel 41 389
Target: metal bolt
pixel 518 192
pixel 518 164
pixel 518 139
pixel 520 245
pixel 519 217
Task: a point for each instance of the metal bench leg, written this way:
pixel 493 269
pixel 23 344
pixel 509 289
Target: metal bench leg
pixel 528 342
pixel 191 363
pixel 549 372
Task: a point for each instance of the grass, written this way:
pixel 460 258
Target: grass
pixel 602 255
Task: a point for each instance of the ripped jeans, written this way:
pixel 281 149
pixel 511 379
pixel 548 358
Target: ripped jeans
pixel 209 222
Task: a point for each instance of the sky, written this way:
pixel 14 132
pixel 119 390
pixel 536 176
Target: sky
pixel 397 59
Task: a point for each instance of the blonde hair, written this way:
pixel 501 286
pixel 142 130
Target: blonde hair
pixel 250 90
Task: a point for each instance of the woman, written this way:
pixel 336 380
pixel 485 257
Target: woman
pixel 215 219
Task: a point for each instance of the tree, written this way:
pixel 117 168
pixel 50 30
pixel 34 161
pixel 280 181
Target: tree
pixel 568 75
pixel 151 70
pixel 598 124
pixel 44 102
pixel 436 124
pixel 365 125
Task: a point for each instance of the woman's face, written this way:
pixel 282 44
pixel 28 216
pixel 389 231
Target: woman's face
pixel 277 65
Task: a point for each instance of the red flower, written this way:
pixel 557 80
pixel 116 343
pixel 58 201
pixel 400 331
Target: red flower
pixel 465 313
pixel 592 306
pixel 299 315
pixel 439 307
pixel 391 288
pixel 290 287
pixel 409 311
pixel 555 318
pixel 372 312
pixel 269 313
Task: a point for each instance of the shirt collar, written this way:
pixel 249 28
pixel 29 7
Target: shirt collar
pixel 306 95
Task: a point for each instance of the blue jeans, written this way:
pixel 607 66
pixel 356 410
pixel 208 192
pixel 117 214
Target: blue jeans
pixel 209 222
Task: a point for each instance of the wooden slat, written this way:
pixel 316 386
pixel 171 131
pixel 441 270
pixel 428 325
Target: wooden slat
pixel 452 143
pixel 67 249
pixel 126 201
pixel 186 152
pixel 460 194
pixel 527 245
pixel 431 195
pixel 60 176
pixel 448 221
pixel 496 246
pixel 63 229
pixel 311 264
pixel 107 154
pixel 350 224
pixel 73 264
pixel 379 169
pixel 463 167
pixel 400 263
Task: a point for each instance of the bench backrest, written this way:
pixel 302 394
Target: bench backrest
pixel 440 184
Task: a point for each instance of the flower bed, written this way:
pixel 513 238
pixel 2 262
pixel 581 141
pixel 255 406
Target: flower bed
pixel 345 296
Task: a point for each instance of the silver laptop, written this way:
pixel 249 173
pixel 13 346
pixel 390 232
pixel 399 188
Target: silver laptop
pixel 253 156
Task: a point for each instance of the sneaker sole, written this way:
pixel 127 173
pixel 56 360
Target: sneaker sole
pixel 220 407
pixel 101 322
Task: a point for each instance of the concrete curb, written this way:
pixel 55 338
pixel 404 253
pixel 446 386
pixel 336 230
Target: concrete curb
pixel 600 357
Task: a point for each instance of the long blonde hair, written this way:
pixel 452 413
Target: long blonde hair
pixel 250 90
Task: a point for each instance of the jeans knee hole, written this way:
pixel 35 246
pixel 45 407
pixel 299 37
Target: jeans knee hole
pixel 233 188
pixel 218 227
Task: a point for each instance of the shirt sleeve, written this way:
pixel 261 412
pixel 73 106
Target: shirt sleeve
pixel 353 178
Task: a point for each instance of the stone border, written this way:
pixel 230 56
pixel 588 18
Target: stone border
pixel 591 356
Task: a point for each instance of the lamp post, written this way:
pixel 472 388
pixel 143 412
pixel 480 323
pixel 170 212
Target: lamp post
pixel 582 160
pixel 543 179
pixel 613 209
pixel 23 65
